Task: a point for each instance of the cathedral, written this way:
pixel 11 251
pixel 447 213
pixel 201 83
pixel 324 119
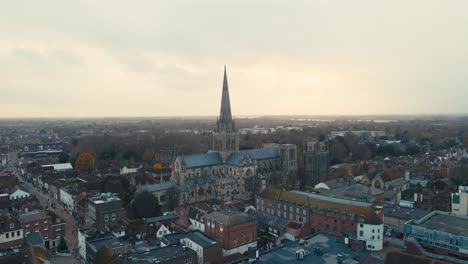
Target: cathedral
pixel 227 173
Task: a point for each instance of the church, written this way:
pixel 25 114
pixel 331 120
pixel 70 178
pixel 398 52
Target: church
pixel 227 173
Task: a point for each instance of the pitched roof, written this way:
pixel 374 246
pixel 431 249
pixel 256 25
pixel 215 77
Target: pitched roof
pixel 321 201
pixel 202 160
pixel 35 239
pixel 195 182
pixel 156 187
pixel 35 215
pixel 268 220
pixel 255 154
pixel 161 218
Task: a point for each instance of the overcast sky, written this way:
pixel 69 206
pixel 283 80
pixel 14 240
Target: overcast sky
pixel 162 58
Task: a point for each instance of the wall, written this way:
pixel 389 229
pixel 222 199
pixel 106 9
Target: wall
pixel 460 208
pixel 19 194
pixel 68 200
pixel 15 237
pixel 372 235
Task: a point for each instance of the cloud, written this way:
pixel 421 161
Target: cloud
pixel 110 58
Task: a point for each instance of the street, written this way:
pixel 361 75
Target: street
pixel 46 201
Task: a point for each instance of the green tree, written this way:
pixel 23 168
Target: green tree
pixel 146 205
pixel 63 157
pixel 62 247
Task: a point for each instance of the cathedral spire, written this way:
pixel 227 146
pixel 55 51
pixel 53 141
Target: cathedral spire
pixel 225 122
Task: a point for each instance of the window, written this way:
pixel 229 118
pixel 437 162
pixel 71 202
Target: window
pixel 12 234
pixel 12 225
pixel 297 209
pixel 372 237
pixel 7 235
pixel 361 225
pixel 18 233
pixel 361 233
pixel 304 211
pixel 372 230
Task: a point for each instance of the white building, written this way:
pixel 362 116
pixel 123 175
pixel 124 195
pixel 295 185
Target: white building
pixel 162 231
pixel 18 194
pixel 59 167
pixel 372 235
pixel 460 201
pixel 68 199
pixel 126 170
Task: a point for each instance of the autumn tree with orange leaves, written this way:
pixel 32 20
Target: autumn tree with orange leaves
pixel 85 162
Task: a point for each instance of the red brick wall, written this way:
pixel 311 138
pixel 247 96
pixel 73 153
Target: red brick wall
pixel 235 235
pixel 7 245
pixel 43 228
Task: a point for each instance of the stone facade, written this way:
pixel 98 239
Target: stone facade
pixel 226 173
pixel 315 162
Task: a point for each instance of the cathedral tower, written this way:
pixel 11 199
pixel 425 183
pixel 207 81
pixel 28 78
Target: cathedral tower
pixel 225 136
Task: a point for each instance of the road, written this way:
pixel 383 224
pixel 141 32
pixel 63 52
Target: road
pixel 46 201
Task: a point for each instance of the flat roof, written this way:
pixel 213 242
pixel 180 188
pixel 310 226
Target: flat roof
pixel 452 224
pixel 169 253
pixel 329 245
pixel 404 213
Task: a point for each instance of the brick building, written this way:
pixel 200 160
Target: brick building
pixel 105 209
pixel 208 250
pixel 236 230
pixel 11 233
pixel 48 224
pixel 341 217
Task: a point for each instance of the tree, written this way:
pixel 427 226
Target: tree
pixel 172 199
pixel 74 142
pixel 146 205
pixel 148 155
pixel 62 247
pixel 63 157
pixel 103 256
pixel 85 162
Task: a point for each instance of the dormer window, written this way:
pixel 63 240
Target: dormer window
pixel 12 225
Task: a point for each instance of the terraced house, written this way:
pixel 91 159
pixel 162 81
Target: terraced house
pixel 356 222
pixel 228 173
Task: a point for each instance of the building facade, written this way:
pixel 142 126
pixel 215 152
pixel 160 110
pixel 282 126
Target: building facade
pixel 336 216
pixel 226 172
pixel 11 233
pixel 47 224
pixel 460 201
pixel 237 231
pixel 105 209
pixel 439 235
pixel 315 156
